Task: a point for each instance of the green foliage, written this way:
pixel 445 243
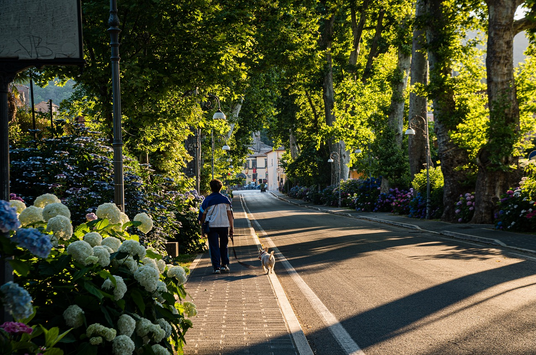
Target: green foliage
pixel 394 164
pixel 103 272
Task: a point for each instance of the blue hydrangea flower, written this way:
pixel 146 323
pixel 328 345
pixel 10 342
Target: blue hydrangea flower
pixel 17 300
pixel 8 217
pixel 37 243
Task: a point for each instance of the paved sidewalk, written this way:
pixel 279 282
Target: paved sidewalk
pixel 238 312
pixel 482 233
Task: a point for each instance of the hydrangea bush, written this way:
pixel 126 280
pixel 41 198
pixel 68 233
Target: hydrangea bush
pixel 77 168
pixel 465 208
pixel 517 211
pixel 96 283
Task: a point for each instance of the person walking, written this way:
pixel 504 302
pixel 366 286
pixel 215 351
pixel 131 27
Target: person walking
pixel 217 210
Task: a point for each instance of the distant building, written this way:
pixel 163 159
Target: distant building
pixel 44 107
pixel 263 164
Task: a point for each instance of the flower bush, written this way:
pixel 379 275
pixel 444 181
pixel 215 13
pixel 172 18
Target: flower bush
pixel 98 285
pixel 517 211
pixel 465 208
pixel 364 199
pixel 417 207
pixel 76 169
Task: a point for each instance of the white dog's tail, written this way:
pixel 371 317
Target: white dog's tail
pixel 272 253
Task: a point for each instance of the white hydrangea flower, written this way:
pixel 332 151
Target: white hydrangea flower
pixel 93 238
pixel 161 265
pixel 74 316
pixel 146 222
pixel 103 253
pixel 160 288
pixel 128 262
pixel 110 212
pixel 120 287
pixel 158 333
pixel 150 262
pixel 31 215
pixel 19 205
pixel 46 199
pixel 190 309
pixel 124 218
pixel 92 259
pixel 143 327
pixel 123 345
pixel 98 329
pixel 80 251
pixel 165 326
pixel 112 242
pixel 61 226
pixel 54 209
pixel 148 277
pixel 132 247
pixel 126 325
pixel 159 350
pixel 95 340
pixel 178 273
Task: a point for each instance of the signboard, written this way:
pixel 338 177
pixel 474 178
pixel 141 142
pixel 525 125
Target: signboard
pixel 41 32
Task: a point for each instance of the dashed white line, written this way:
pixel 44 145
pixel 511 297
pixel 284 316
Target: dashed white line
pixel 330 321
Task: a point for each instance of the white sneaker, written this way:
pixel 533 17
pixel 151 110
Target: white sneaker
pixel 217 271
pixel 225 268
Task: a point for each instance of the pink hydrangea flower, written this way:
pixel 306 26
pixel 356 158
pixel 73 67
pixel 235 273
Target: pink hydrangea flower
pixel 91 217
pixel 16 327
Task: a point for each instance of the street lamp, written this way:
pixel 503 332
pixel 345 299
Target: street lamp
pixel 411 132
pixel 332 156
pixel 218 115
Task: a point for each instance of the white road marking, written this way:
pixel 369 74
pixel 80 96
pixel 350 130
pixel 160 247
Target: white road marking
pixel 302 345
pixel 330 321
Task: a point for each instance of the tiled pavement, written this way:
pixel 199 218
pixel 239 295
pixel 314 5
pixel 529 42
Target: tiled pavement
pixel 238 312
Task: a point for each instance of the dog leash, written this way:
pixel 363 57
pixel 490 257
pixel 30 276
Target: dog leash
pixel 246 265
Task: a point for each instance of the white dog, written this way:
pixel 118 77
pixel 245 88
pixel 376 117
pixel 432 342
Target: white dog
pixel 267 261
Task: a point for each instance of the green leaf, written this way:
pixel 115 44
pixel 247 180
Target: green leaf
pixel 107 316
pixel 151 254
pixel 93 290
pixel 53 351
pixel 100 224
pixel 138 299
pixel 50 336
pixel 80 273
pixel 20 267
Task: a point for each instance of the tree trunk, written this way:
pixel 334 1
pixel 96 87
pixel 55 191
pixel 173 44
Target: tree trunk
pixel 357 31
pixel 418 104
pixel 450 155
pixel 495 159
pixel 396 111
pixel 327 86
pixel 374 46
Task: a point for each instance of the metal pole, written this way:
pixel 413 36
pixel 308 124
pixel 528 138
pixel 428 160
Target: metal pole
pixel 33 105
pixel 340 158
pixel 119 192
pixel 6 272
pixel 212 139
pixel 428 202
pixel 51 117
pixel 198 159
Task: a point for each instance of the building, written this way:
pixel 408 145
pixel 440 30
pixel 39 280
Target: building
pixel 263 165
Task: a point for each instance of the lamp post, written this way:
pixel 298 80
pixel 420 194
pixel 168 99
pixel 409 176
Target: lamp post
pixel 332 157
pixel 218 115
pixel 119 182
pixel 410 131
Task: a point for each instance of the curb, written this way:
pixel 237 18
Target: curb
pixel 454 235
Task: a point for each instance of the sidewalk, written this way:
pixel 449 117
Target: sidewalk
pixel 482 233
pixel 238 312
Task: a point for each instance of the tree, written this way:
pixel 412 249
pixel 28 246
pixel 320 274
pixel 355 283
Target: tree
pixel 498 160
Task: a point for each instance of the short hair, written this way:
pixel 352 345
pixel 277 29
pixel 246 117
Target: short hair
pixel 216 185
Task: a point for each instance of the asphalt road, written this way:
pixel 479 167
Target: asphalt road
pixel 396 291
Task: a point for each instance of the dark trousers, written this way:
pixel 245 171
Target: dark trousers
pixel 217 243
